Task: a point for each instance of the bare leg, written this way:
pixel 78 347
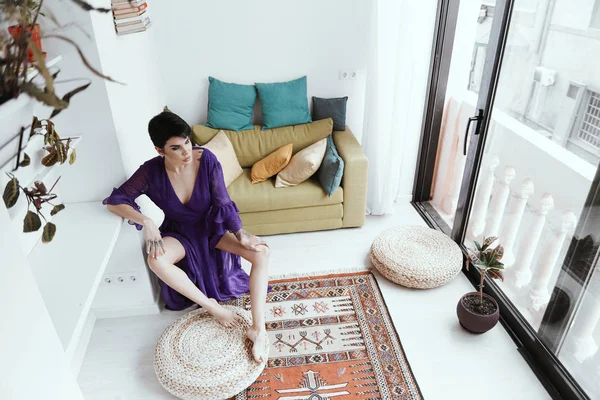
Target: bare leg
pixel 164 267
pixel 259 280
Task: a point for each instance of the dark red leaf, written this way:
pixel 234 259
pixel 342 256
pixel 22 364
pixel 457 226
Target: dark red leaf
pixel 495 274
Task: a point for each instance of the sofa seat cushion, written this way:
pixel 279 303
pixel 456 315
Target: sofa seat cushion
pixel 264 196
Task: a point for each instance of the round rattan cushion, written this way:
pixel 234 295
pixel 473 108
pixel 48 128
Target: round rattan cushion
pixel 197 358
pixel 416 256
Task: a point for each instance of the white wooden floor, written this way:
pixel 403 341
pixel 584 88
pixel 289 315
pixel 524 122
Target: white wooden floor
pixel 448 362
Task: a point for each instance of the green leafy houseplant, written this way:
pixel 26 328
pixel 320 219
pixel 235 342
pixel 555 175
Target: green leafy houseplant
pixel 487 260
pixel 476 311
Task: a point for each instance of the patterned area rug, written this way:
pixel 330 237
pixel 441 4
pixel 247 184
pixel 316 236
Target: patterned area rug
pixel 331 337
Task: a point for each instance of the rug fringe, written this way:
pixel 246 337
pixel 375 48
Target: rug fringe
pixel 319 273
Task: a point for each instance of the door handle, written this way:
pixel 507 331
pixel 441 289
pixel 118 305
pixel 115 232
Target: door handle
pixel 477 118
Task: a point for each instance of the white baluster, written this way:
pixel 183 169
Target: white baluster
pixel 539 294
pixel 482 199
pixel 585 324
pixel 521 272
pixel 451 200
pixel 499 201
pixel 515 215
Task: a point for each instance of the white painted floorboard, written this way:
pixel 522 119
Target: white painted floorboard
pixel 448 362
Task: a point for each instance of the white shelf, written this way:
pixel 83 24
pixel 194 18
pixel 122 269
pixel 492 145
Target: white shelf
pixel 68 270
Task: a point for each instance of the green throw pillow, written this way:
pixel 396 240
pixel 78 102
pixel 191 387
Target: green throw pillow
pixel 284 103
pixel 230 105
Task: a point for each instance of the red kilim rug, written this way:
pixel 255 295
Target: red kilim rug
pixel 331 338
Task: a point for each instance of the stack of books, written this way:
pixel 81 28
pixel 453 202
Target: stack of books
pixel 130 16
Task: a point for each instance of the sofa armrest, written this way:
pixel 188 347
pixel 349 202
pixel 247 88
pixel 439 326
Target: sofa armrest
pixel 354 180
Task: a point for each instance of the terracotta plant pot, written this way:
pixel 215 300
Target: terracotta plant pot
pixel 36 38
pixel 472 318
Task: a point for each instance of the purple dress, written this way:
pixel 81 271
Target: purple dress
pixel 198 225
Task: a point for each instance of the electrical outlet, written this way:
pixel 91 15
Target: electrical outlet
pixel 348 74
pixel 120 279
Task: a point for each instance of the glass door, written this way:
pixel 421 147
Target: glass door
pixel 458 83
pixel 535 175
pixel 515 155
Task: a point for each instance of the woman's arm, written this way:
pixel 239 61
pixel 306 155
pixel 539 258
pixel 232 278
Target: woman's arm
pixel 128 212
pixel 224 212
pixel 122 203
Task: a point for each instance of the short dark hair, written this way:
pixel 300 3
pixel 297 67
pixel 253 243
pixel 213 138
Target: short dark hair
pixel 166 125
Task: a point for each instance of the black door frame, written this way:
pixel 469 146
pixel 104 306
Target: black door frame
pixel 548 368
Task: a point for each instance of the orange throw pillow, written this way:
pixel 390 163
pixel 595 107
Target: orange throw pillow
pixel 272 164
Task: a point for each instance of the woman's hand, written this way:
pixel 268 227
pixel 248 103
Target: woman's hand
pixel 249 241
pixel 154 243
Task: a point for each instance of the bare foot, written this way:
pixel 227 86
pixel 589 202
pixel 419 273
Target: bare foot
pixel 258 338
pixel 224 316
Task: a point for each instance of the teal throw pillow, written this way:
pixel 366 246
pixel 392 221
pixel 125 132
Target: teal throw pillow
pixel 331 170
pixel 230 105
pixel 284 103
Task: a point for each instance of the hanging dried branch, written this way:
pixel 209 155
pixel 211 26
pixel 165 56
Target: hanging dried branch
pixel 14 49
pixel 88 7
pixel 67 98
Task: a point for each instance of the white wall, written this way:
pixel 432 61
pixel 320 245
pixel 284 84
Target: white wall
pixel 131 59
pixel 33 361
pixel 569 55
pixel 89 113
pixel 267 41
pixel 128 298
pixel 573 13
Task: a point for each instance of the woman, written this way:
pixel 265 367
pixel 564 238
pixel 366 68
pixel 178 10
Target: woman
pixel 196 251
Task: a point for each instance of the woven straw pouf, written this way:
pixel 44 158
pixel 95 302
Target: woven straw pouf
pixel 416 256
pixel 196 358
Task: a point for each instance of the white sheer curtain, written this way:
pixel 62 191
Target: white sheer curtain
pixel 399 53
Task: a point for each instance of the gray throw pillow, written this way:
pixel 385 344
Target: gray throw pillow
pixel 331 108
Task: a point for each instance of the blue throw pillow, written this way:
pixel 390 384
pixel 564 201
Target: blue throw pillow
pixel 284 103
pixel 230 105
pixel 331 170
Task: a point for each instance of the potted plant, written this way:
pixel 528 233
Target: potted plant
pixel 28 11
pixel 20 55
pixel 15 63
pixel 477 311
